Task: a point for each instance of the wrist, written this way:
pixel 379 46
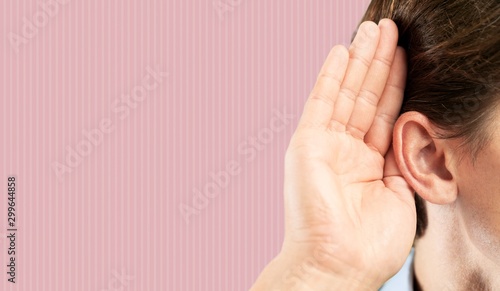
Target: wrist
pixel 288 272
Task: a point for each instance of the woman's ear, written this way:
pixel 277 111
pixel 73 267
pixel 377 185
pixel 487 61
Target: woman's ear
pixel 423 159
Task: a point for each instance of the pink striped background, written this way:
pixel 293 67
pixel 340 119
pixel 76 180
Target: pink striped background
pixel 112 219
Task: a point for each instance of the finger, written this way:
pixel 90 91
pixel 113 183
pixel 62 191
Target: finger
pixel 391 168
pixel 319 106
pixel 361 53
pixel 365 106
pixel 394 180
pixel 380 133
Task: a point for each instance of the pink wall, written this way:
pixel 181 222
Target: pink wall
pixel 115 111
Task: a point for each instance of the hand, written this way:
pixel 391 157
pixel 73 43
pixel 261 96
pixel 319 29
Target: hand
pixel 349 212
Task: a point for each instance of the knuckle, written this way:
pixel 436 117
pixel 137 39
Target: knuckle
pixel 336 126
pixel 328 77
pixel 369 97
pixel 355 56
pixel 386 118
pixel 348 93
pixel 355 131
pixel 395 86
pixel 383 60
pixel 318 97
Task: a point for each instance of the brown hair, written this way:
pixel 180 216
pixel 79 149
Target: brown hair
pixel 453 66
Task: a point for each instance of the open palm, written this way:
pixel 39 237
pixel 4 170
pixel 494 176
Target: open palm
pixel 344 194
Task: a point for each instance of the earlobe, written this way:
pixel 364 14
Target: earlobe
pixel 422 158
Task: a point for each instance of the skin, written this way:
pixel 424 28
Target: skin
pixel 351 171
pixel 345 198
pixel 464 214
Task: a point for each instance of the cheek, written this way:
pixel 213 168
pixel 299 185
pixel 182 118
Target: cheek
pixel 479 201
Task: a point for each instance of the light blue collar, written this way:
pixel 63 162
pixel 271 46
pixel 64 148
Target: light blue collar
pixel 403 280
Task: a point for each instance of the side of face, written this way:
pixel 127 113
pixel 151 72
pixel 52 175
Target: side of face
pixel 446 176
pixel 478 198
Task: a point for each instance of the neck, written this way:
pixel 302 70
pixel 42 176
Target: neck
pixel 446 258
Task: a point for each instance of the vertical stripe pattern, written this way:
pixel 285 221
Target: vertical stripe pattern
pixel 147 137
